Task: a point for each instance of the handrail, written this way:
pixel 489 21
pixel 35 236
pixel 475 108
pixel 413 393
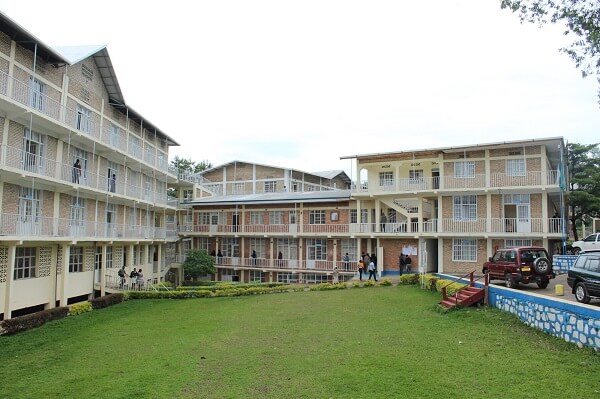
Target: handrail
pixel 471 284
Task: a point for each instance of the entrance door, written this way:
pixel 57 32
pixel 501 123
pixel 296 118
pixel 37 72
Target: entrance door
pixel 523 219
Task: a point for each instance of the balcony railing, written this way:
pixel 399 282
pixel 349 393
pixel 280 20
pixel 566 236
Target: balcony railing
pixel 496 180
pixel 27 96
pixel 281 264
pixel 447 225
pixel 40 226
pixel 22 160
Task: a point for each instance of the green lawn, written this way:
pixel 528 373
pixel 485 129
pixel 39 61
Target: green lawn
pixel 379 342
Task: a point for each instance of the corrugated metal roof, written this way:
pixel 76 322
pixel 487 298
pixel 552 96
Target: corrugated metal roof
pixel 280 197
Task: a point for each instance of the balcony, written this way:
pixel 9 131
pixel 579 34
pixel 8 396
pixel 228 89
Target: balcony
pixel 449 183
pixel 48 168
pixel 508 226
pixel 85 123
pixel 30 226
pixel 281 264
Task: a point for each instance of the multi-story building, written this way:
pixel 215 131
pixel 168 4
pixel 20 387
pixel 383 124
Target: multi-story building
pixel 83 177
pixel 447 208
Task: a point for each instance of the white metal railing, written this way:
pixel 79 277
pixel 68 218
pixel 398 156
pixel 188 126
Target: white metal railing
pixel 26 95
pixel 446 225
pixel 32 225
pixel 287 264
pixel 479 181
pixel 22 160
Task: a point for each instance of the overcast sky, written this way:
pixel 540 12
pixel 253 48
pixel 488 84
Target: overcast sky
pixel 301 83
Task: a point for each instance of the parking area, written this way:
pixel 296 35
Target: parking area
pixel 550 290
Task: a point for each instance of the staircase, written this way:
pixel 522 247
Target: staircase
pixel 466 296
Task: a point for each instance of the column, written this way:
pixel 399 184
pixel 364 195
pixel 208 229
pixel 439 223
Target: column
pixel 103 271
pixel 10 271
pixel 63 282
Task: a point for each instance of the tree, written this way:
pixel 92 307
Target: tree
pixel 198 262
pixel 188 166
pixel 583 199
pixel 581 19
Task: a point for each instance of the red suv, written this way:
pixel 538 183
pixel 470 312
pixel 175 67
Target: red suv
pixel 520 265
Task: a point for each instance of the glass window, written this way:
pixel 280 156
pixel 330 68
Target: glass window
pixel 316 249
pixel 386 178
pixel 76 260
pixel 25 259
pixel 256 217
pixel 83 121
pixel 465 207
pixel 515 167
pixel 270 186
pixel 275 217
pixel 464 169
pixel 464 250
pixel 316 217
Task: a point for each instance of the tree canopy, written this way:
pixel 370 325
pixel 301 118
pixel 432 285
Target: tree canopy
pixel 198 262
pixel 583 199
pixel 582 22
pixel 187 165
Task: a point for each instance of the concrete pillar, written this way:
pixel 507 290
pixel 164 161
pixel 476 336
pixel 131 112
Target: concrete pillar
pixel 9 279
pixel 63 281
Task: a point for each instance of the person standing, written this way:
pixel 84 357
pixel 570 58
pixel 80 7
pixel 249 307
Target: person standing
pixel 401 263
pixel 383 221
pixel 122 275
pixel 346 260
pixel 335 276
pixel 132 278
pixel 372 271
pixel 408 262
pixel 361 268
pixel 253 256
pixel 76 171
pixel 113 183
pixel 140 279
pixel 219 257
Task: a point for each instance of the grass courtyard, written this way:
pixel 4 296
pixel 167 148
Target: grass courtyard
pixel 379 342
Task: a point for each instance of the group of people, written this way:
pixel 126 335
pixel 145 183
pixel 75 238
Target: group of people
pixel 367 263
pixel 136 278
pixel 77 171
pixel 405 264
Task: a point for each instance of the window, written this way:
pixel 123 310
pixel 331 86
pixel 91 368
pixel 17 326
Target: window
pixel 80 173
pixel 239 188
pixel 349 247
pixel 29 205
pixel 25 259
pixel 203 243
pixel 77 211
pixel 210 217
pixel 515 167
pixel 256 276
pixel 98 258
pixel 33 151
pixel 109 257
pixel 288 248
pixel 316 217
pixel 292 216
pixel 256 217
pixel 275 217
pixel 517 243
pixel 135 146
pixel 83 118
pixel 316 249
pixel 386 179
pixel 464 169
pixel 230 247
pixel 364 215
pixel 114 135
pixel 353 216
pixel 464 250
pixel 416 175
pixel 465 207
pixel 515 199
pixel 270 186
pixel 36 97
pixel 76 260
pixel 258 245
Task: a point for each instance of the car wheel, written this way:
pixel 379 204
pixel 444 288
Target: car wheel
pixel 542 284
pixel 576 251
pixel 581 293
pixel 510 283
pixel 542 265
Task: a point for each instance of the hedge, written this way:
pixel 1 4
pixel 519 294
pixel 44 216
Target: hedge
pixel 22 323
pixel 107 300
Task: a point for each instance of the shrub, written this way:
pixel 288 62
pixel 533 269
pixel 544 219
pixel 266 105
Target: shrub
pixel 409 279
pixel 328 286
pixel 356 284
pixel 107 300
pixel 22 323
pixel 369 283
pixel 385 281
pixel 451 287
pixel 79 308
